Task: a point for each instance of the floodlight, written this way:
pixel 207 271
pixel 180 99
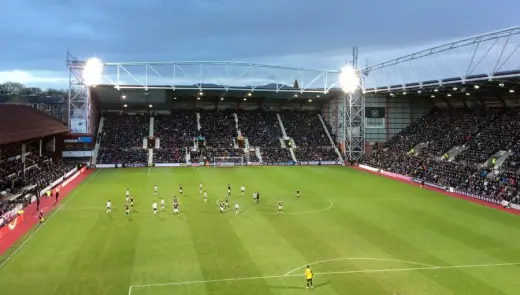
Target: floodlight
pixel 404 92
pixel 92 72
pixel 454 88
pixel 476 86
pixel 123 96
pixel 198 98
pixel 467 93
pixel 449 94
pixel 501 84
pixel 310 100
pixel 511 91
pixel 201 93
pixel 436 90
pixel 296 95
pixel 249 94
pixel 318 96
pixel 125 105
pixel 221 98
pixel 150 105
pixel 348 79
pixel 433 96
pixel 245 99
pixel 175 97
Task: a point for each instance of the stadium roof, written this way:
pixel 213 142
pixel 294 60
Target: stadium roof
pixel 19 123
pixel 107 96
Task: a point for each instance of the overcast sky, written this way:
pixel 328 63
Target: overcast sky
pixel 37 33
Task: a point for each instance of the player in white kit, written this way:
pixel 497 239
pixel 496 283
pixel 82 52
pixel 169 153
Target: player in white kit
pixel 280 207
pixel 109 207
pixel 127 194
pixel 243 189
pixel 205 197
pixel 162 204
pixel 254 197
pixel 237 208
pixel 154 206
pixel 221 207
pixel 155 190
pixel 200 188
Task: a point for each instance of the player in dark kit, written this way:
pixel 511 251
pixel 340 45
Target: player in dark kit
pixel 227 202
pixel 175 208
pixel 229 190
pixel 297 194
pixel 127 209
pixel 132 202
pixel 180 190
pixel 258 197
pixel 57 196
pixel 40 216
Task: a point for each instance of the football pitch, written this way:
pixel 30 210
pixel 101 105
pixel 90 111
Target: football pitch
pixel 360 234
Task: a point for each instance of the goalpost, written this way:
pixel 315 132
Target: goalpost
pixel 228 161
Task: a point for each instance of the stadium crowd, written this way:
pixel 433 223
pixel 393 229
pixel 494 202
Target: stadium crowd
pixel 261 128
pixel 276 155
pixel 122 139
pixel 310 154
pixel 169 155
pixel 177 129
pixel 218 127
pixel 480 133
pixel 305 128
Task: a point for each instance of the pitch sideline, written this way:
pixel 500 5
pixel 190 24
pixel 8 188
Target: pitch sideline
pixel 48 219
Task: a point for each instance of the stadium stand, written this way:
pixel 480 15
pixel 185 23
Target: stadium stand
pixel 176 129
pixel 309 154
pixel 122 139
pixel 482 132
pixel 260 127
pixel 19 123
pixel 305 128
pixel 218 127
pixel 169 155
pixel 276 155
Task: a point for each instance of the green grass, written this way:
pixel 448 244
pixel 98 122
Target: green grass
pixel 380 237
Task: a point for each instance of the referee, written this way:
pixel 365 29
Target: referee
pixel 308 276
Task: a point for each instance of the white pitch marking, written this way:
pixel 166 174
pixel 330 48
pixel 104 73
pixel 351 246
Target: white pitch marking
pixel 331 204
pixel 329 273
pixel 360 258
pixel 48 219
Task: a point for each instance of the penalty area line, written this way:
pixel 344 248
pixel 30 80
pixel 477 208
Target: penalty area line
pixel 384 270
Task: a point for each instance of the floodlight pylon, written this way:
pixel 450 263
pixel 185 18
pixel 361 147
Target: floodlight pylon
pixel 78 106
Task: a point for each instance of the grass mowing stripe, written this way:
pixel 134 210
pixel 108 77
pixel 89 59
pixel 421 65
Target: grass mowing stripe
pixel 48 219
pixel 329 273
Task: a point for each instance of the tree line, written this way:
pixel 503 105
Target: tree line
pixel 15 89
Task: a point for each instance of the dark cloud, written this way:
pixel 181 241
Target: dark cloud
pixel 37 33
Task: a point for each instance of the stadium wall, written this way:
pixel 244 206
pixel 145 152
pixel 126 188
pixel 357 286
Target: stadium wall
pixel 400 112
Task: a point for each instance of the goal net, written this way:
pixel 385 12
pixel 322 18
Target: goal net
pixel 228 161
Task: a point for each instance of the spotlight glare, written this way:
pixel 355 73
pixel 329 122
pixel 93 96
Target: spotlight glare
pixel 404 92
pixel 125 105
pixel 198 97
pixel 175 97
pixel 92 72
pixel 150 105
pixel 318 95
pixel 501 84
pixel 433 96
pixel 348 79
pixel 467 93
pixel 476 86
pixel 436 90
pixel 419 91
pixel 310 100
pixel 296 95
pixel 201 93
pixel 221 98
pixel 123 96
pixel 249 94
pixel 449 94
pixel 455 88
pixel 511 91
pixel 245 99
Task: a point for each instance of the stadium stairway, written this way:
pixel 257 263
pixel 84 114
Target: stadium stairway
pixel 282 143
pixel 157 143
pixel 258 154
pixel 150 157
pixel 330 137
pixel 418 147
pixel 281 125
pixel 293 156
pixel 98 141
pixel 145 143
pixel 188 156
pixel 500 157
pixel 246 143
pixel 455 151
pixel 236 124
pixel 150 133
pixel 198 122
